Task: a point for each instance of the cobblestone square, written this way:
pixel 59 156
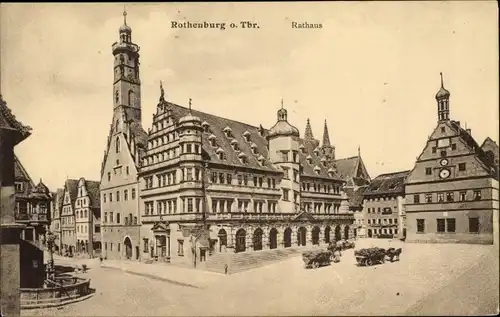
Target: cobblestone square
pixel 429 279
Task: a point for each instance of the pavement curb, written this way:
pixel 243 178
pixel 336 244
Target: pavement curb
pixel 52 305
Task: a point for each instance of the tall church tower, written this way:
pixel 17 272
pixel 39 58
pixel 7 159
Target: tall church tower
pixel 127 141
pixel 126 82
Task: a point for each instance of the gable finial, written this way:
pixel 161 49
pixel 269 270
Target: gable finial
pixel 359 150
pixel 281 103
pixel 162 92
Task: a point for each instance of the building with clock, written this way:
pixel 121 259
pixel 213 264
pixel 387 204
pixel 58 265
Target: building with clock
pixel 452 191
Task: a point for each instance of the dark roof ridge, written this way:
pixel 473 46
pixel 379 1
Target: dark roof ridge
pixel 393 173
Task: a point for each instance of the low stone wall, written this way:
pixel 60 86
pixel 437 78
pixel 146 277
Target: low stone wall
pixel 72 288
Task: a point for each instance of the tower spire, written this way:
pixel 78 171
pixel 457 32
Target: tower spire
pixel 124 14
pixel 162 92
pixel 359 150
pixel 326 137
pixel 308 134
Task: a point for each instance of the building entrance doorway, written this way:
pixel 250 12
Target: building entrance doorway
pixel 128 248
pixel 287 238
pixel 241 240
pixel 273 238
pixel 301 236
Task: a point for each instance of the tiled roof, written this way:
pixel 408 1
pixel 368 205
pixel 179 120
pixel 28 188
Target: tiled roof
pixel 94 193
pixel 347 166
pixel 355 196
pixel 71 186
pixel 9 121
pixel 259 142
pixel 471 142
pixel 20 172
pixel 391 183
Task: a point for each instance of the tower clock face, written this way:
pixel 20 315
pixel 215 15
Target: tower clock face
pixel 444 173
pixel 443 162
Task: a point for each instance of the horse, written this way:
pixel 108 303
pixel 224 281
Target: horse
pixel 394 253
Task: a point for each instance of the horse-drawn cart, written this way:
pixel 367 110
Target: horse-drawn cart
pixel 371 256
pixel 315 259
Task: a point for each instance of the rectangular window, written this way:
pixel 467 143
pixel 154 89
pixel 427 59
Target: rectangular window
pixel 450 224
pixel 118 247
pixel 229 178
pixel 105 245
pixel 474 225
pixel 285 194
pixel 434 150
pixel 453 146
pixel 117 196
pixel 125 194
pixel 428 198
pixel 133 193
pixel 440 197
pixel 110 197
pixel 240 179
pixel 440 225
pixel 117 217
pixel 189 174
pixel 450 196
pixel 245 180
pixel 221 178
pixel 462 196
pixel 461 166
pixel 145 246
pixel 214 205
pixel 428 171
pixel 190 204
pixel 477 195
pixel 416 199
pixel 421 225
pixel 111 217
pixel 214 177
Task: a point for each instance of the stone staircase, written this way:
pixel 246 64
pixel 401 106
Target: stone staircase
pixel 239 262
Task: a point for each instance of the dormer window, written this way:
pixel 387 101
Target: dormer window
pixel 316 151
pixel 220 153
pixel 261 160
pixel 205 126
pixel 234 143
pixel 242 157
pixel 212 138
pixel 228 131
pixel 309 159
pixel 253 147
pixel 246 135
pixel 323 161
pixel 317 169
pixel 331 172
pixel 302 148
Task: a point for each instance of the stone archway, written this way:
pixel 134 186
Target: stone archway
pixel 287 238
pixel 222 240
pixel 338 233
pixel 315 235
pixel 327 234
pixel 301 236
pixel 128 248
pixel 257 239
pixel 240 240
pixel 346 232
pixel 273 238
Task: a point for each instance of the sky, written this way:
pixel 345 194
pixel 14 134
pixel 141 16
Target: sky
pixel 371 71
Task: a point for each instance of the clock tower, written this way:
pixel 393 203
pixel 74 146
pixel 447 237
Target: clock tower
pixel 450 193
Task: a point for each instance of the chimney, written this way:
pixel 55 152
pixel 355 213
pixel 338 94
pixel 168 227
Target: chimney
pixel 469 131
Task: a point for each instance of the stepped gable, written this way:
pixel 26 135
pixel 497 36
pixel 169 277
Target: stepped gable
pixel 94 193
pixel 391 183
pixel 216 127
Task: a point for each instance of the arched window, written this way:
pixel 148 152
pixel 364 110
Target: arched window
pixel 116 126
pixel 130 98
pixel 117 144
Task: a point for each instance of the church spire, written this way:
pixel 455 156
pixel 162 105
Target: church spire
pixel 326 137
pixel 308 135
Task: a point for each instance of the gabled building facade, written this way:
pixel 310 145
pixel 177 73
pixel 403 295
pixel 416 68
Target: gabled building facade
pixel 33 205
pixel 452 192
pixel 251 188
pixel 384 206
pixel 120 227
pixel 88 218
pixel 68 223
